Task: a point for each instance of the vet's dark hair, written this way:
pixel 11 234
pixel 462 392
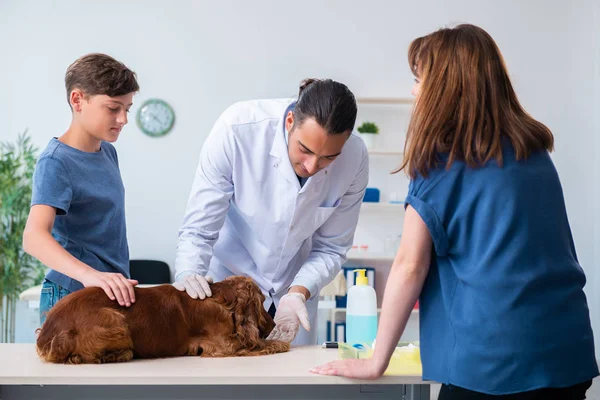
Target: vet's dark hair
pixel 328 102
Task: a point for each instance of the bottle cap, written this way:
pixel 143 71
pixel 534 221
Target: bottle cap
pixel 361 279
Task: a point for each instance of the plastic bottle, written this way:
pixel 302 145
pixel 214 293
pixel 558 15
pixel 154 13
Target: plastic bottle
pixel 361 312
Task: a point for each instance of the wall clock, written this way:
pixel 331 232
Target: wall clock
pixel 155 117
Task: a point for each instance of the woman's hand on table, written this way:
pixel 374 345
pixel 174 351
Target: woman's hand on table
pixel 351 368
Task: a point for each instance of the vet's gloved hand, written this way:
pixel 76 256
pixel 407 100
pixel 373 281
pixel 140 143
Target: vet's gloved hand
pixel 196 286
pixel 290 314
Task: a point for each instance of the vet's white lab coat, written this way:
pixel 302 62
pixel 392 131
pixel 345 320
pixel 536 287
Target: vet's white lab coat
pixel 247 214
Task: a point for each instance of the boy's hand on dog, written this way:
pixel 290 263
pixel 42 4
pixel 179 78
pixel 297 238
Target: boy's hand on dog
pixel 115 285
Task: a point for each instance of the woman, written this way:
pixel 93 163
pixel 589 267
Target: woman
pixel 486 241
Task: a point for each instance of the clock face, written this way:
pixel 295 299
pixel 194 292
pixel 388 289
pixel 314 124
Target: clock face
pixel 155 117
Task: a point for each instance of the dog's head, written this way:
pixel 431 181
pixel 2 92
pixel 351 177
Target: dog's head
pixel 249 314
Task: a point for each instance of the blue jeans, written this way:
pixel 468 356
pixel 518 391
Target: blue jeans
pixel 51 294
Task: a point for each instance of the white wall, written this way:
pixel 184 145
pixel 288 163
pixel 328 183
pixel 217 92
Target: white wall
pixel 202 56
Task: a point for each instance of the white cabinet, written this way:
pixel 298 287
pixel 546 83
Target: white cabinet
pixel 381 223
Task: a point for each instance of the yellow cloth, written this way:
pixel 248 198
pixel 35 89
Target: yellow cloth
pixel 406 360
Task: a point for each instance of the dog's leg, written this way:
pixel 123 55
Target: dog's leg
pixel 265 347
pixel 276 346
pixel 117 356
pixel 108 341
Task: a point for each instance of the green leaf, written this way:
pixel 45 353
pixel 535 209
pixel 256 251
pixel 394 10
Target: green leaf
pixel 18 270
pixel 368 127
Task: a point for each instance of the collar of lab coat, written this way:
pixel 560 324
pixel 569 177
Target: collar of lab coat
pixel 279 151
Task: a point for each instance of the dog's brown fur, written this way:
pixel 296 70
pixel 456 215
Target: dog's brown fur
pixel 88 327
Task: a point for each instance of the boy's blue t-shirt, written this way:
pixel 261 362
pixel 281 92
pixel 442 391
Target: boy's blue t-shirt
pixel 503 308
pixel 87 191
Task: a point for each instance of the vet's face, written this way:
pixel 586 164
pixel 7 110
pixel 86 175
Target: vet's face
pixel 310 147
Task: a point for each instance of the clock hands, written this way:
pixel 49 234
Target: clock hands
pixel 156 119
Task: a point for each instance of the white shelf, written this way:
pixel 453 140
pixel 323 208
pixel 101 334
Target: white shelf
pixel 386 152
pixel 385 100
pixel 382 207
pixel 369 256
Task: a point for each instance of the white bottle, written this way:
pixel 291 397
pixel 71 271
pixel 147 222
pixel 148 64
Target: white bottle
pixel 361 312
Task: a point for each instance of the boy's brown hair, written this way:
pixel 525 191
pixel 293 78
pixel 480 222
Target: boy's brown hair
pixel 467 105
pixel 98 73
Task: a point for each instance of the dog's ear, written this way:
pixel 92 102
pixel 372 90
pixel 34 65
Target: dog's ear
pixel 249 312
pixel 225 294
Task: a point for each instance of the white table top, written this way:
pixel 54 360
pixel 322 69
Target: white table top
pixel 20 365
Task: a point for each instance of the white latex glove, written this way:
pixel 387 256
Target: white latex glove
pixel 290 314
pixel 195 285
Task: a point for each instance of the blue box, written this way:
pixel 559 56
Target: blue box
pixel 371 195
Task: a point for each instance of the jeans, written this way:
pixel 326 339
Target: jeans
pixel 51 294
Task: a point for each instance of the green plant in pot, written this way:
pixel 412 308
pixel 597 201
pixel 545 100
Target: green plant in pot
pixel 368 131
pixel 18 270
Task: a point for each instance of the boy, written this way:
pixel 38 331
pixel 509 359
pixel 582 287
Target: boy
pixel 76 225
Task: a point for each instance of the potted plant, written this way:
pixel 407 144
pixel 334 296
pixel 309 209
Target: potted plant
pixel 367 131
pixel 18 270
